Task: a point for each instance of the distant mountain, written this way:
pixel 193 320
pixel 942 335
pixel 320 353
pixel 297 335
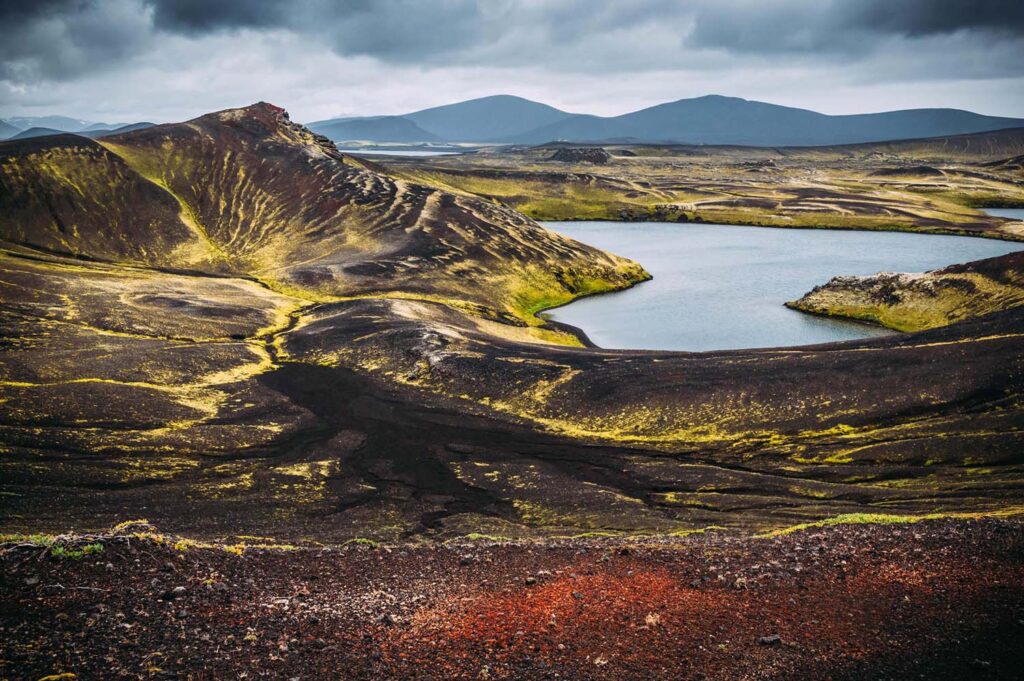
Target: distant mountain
pixel 103 132
pixel 62 123
pixel 8 130
pixel 374 129
pixel 712 119
pixel 93 131
pixel 103 127
pixel 730 120
pixel 36 132
pixel 487 119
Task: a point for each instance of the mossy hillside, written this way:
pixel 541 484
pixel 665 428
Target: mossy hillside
pixel 537 290
pixel 835 189
pixel 363 406
pixel 541 196
pixel 354 232
pixel 915 302
pixel 80 199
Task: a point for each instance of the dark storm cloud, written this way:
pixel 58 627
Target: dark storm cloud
pixel 408 30
pixel 394 30
pixel 851 26
pixel 197 16
pixel 57 39
pixel 925 17
pixel 389 56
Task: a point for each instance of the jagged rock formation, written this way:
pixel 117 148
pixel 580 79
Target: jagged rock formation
pixel 913 302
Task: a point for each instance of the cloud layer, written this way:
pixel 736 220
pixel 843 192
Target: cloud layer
pixel 171 59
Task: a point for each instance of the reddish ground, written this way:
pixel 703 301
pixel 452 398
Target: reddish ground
pixel 942 599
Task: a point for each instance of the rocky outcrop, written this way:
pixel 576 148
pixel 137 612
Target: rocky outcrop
pixel 908 171
pixel 581 155
pixel 913 302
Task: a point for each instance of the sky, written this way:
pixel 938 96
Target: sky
pixel 121 61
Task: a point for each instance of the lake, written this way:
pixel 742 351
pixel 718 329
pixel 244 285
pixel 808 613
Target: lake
pixel 1013 213
pixel 397 152
pixel 719 287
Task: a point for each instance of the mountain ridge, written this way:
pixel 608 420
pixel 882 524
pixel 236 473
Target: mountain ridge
pixel 249 193
pixel 710 119
pixel 486 118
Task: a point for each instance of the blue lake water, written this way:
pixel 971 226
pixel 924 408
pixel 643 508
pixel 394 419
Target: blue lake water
pixel 396 152
pixel 1014 213
pixel 719 287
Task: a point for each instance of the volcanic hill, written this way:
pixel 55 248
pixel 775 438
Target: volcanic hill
pixel 229 327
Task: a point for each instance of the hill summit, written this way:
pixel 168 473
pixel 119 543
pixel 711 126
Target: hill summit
pixel 247 192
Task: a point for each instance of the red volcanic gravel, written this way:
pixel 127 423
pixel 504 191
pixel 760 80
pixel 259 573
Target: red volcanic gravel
pixel 936 600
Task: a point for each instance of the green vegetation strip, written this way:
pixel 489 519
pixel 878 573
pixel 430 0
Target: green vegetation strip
pixel 889 519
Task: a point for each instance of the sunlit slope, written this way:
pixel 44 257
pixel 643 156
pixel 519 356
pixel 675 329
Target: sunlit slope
pixel 68 194
pixel 283 205
pixel 247 192
pixel 918 301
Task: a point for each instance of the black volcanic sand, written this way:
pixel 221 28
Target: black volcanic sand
pixel 937 600
pixel 368 457
pixel 232 330
pixel 229 328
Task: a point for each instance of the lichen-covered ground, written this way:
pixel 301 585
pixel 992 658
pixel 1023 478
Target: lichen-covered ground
pixel 254 334
pixel 231 329
pixel 922 300
pixel 930 185
pixel 934 599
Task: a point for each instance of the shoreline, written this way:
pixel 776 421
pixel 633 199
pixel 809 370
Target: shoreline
pixel 927 231
pixel 789 304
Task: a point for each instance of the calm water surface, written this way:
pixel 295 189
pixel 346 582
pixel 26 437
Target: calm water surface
pixel 396 152
pixel 1015 213
pixel 719 287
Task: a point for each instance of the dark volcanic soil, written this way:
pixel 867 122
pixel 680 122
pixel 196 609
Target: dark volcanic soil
pixel 937 599
pixel 230 328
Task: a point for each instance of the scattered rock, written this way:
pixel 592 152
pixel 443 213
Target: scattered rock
pixel 171 594
pixel 772 640
pixel 581 155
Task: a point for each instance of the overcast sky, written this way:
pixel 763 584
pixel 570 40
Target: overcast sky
pixel 166 60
